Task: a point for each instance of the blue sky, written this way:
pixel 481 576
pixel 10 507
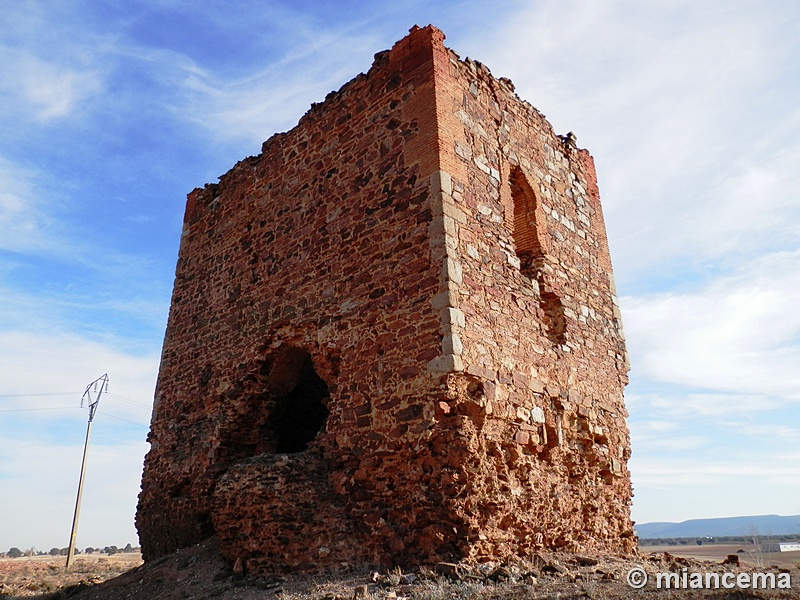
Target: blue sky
pixel 112 111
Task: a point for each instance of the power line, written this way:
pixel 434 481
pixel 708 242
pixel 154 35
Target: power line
pixel 102 412
pixel 117 396
pixel 31 409
pixel 39 394
pixel 128 400
pixel 72 408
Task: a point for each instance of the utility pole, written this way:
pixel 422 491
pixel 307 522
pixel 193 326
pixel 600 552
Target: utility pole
pixel 97 387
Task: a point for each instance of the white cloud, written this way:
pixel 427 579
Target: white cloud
pixel 694 158
pixel 671 443
pixel 777 433
pixel 40 450
pixel 34 363
pixel 35 220
pixel 750 483
pixel 665 472
pixel 273 98
pixel 42 478
pixel 42 90
pixel 712 404
pixel 53 92
pixel 40 231
pixel 23 222
pixel 248 101
pixel 739 333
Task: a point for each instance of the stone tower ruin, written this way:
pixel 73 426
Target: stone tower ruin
pixel 394 337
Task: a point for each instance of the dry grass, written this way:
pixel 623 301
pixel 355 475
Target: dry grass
pixel 41 575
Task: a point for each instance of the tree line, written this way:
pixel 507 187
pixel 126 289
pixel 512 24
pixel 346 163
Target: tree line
pixel 109 550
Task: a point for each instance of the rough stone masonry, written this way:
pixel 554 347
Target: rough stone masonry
pixel 394 338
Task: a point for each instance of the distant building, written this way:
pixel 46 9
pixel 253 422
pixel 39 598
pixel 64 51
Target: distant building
pixel 780 547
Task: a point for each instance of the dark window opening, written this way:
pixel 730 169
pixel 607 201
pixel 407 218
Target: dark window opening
pixel 300 409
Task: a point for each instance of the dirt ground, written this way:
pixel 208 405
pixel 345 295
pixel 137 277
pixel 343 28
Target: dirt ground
pixel 199 572
pixel 36 575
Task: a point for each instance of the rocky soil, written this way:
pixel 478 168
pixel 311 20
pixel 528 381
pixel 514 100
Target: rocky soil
pixel 200 572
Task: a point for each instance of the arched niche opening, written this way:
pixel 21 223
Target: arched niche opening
pixel 527 231
pixel 525 226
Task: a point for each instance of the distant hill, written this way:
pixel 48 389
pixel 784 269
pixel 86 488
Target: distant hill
pixel 727 526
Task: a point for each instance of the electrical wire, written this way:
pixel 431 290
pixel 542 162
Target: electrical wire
pixel 128 400
pixel 121 419
pixel 30 409
pixel 72 408
pixel 40 394
pixel 117 396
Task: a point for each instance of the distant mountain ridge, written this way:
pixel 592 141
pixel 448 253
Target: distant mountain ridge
pixel 725 526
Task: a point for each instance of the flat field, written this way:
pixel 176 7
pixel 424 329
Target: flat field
pixel 748 554
pixel 38 575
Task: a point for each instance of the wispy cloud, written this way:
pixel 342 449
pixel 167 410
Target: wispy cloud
pixel 733 486
pixel 49 64
pixel 34 363
pixel 23 221
pixel 671 443
pixel 739 333
pixel 671 99
pixel 37 219
pixel 274 96
pixel 779 434
pixel 45 91
pixel 684 403
pixel 710 473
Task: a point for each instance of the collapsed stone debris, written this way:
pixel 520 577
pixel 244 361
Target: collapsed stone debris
pixel 394 338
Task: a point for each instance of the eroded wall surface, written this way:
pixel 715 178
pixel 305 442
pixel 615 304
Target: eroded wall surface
pixel 393 337
pixel 536 329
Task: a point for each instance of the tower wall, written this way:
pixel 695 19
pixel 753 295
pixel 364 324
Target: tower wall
pixel 537 332
pixel 361 366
